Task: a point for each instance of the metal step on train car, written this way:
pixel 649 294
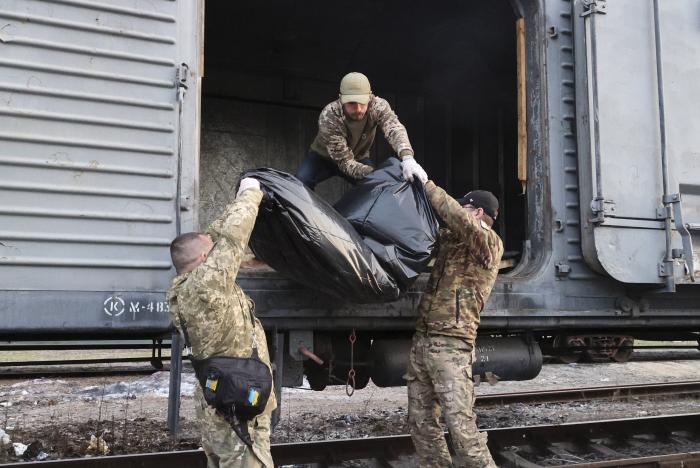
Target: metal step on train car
pixel 125 122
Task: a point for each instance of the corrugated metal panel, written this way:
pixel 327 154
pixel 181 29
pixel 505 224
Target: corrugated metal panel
pixel 619 125
pixel 564 156
pixel 89 144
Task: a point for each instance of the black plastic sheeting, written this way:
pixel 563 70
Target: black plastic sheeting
pixel 395 219
pixel 303 237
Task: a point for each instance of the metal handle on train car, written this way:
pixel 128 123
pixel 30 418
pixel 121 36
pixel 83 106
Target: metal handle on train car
pixel 682 228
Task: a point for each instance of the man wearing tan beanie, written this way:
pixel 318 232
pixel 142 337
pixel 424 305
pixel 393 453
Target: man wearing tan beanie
pixel 346 131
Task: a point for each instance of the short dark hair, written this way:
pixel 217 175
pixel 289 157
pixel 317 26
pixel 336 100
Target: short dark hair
pixel 179 249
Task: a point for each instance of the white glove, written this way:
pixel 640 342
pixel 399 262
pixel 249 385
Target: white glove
pixel 410 169
pixel 246 183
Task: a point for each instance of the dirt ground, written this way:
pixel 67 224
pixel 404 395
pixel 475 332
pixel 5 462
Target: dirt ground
pixel 56 417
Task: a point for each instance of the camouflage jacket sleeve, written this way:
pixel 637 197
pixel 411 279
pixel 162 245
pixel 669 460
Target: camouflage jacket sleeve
pixel 231 232
pixel 460 221
pixel 395 133
pixel 334 135
pixel 171 297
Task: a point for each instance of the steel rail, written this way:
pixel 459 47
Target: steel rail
pixel 178 459
pixel 69 362
pixel 45 346
pixel 687 460
pixel 565 432
pixel 82 367
pixel 616 392
pixel 389 447
pixel 21 374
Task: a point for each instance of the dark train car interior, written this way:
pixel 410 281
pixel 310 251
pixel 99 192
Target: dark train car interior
pixel 448 72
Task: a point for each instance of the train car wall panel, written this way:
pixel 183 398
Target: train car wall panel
pixel 92 100
pixel 91 132
pixel 568 261
pixel 620 135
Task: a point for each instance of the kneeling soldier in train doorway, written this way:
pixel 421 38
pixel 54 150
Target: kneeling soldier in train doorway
pixel 439 373
pixel 216 318
pixel 346 131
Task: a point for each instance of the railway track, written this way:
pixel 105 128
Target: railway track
pixel 662 441
pixel 10 373
pixel 615 392
pixel 88 363
pixel 117 366
pixel 82 367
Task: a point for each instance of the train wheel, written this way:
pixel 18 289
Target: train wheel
pixel 601 348
pixel 562 345
pixel 624 355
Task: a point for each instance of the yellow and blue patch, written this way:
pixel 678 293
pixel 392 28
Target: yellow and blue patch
pixel 211 384
pixel 253 396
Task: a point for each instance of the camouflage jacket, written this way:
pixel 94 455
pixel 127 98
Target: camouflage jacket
pixel 464 272
pixel 207 302
pixel 335 140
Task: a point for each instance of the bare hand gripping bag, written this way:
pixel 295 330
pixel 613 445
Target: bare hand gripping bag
pixel 301 236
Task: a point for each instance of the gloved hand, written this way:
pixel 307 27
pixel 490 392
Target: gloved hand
pixel 246 183
pixel 410 169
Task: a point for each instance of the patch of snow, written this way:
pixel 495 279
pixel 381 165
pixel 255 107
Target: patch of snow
pixel 19 448
pixel 157 384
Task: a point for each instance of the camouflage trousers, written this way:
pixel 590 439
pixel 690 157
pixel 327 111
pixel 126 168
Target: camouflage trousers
pixel 440 378
pixel 224 449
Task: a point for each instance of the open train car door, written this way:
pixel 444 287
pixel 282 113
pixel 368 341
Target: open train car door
pixel 639 138
pixel 98 161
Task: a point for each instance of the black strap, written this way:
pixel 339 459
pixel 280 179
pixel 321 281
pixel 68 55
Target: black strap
pixel 239 427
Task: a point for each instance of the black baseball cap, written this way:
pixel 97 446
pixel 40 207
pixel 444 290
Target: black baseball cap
pixel 483 199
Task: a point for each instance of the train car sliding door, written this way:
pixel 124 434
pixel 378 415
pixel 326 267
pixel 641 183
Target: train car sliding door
pixel 639 135
pixel 98 161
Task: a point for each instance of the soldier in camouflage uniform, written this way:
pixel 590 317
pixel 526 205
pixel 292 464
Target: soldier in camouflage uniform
pixel 346 131
pixel 440 364
pixel 219 321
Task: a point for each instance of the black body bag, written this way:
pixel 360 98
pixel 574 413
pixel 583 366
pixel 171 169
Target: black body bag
pixel 237 387
pixel 301 236
pixel 395 219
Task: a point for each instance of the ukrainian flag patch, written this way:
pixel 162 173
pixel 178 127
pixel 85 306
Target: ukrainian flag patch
pixel 253 396
pixel 211 384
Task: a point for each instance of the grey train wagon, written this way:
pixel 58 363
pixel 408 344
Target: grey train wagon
pixel 126 122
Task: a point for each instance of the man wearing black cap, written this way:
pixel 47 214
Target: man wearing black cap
pixel 346 131
pixel 481 200
pixel 439 373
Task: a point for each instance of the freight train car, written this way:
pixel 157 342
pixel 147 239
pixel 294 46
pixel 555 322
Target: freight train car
pixel 126 122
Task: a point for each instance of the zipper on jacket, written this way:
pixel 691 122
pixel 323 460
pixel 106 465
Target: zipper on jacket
pixel 457 306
